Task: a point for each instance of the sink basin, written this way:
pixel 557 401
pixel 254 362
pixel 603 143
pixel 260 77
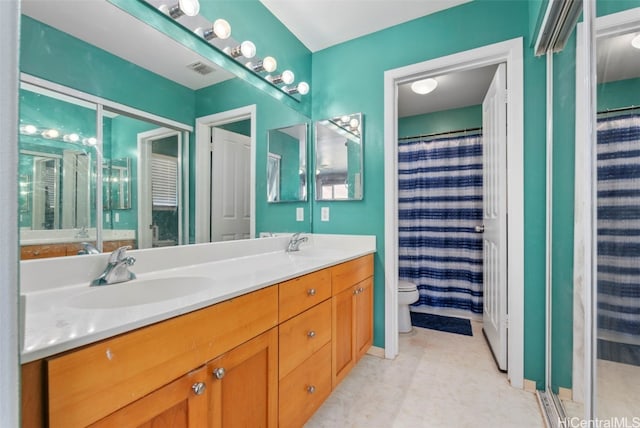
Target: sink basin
pixel 140 292
pixel 315 253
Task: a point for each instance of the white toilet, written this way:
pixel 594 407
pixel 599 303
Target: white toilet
pixel 407 294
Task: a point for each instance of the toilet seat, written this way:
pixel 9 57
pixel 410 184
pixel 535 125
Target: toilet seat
pixel 404 286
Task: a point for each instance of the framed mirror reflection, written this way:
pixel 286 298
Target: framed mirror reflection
pixel 338 158
pixel 287 164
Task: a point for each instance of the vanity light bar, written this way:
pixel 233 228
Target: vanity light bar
pixel 220 29
pixel 54 134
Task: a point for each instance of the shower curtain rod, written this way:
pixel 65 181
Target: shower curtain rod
pixel 617 110
pixel 440 133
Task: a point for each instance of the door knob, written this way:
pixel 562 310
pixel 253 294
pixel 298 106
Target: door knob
pixel 199 388
pixel 219 372
pixel 480 229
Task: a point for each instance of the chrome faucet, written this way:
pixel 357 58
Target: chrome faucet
pixel 88 248
pixel 295 241
pixel 117 269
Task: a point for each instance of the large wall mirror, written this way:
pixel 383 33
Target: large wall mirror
pixel 287 164
pixel 338 158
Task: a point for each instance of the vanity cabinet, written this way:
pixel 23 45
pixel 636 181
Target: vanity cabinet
pixel 244 384
pixel 88 384
pixel 181 403
pixel 265 359
pixel 41 251
pixel 352 308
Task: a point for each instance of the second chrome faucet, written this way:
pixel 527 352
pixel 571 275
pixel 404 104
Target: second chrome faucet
pixel 117 270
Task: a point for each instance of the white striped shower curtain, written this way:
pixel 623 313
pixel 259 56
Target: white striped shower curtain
pixel 439 205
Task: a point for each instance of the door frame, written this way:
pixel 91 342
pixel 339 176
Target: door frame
pixel 203 168
pixel 509 52
pixel 145 211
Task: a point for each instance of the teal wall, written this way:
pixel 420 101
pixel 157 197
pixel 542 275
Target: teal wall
pixel 61 58
pixel 270 114
pixel 440 121
pixel 242 127
pixel 361 66
pixel 623 93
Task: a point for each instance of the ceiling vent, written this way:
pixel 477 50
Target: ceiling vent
pixel 201 68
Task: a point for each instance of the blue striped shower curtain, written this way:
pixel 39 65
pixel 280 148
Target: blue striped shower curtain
pixel 619 231
pixel 439 205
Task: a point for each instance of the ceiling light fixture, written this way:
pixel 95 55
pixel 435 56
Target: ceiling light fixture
pixel 287 77
pixel 91 141
pixel 246 49
pixel 268 64
pixel 184 7
pixel 302 88
pixel 220 29
pixel 425 86
pixel 635 42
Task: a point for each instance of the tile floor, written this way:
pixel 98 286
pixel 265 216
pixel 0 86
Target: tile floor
pixel 438 380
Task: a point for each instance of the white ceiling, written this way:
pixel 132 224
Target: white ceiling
pixel 617 59
pixel 104 25
pixel 455 90
pixel 320 24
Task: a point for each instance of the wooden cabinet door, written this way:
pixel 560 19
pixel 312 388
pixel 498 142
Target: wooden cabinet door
pixel 180 404
pixel 244 384
pixel 343 352
pixel 364 317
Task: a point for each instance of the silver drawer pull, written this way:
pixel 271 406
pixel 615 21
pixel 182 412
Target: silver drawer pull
pixel 311 334
pixel 311 389
pixel 356 291
pixel 311 292
pixel 199 388
pixel 219 372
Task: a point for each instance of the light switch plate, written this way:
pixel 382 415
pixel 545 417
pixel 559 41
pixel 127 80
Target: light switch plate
pixel 299 214
pixel 324 214
pixel 116 217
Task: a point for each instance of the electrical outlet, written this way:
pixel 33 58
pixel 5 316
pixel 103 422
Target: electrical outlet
pixel 116 217
pixel 324 214
pixel 107 217
pixel 299 214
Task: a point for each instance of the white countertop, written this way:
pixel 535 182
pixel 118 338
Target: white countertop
pixel 52 324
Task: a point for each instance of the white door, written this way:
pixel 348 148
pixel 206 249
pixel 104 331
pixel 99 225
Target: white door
pixel 230 181
pixel 494 124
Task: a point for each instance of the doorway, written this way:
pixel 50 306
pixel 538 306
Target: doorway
pixel 510 54
pixel 159 187
pixel 238 121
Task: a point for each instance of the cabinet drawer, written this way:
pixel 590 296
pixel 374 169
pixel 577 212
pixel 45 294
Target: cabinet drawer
pixel 305 388
pixel 299 294
pixel 303 335
pixel 349 273
pixel 90 383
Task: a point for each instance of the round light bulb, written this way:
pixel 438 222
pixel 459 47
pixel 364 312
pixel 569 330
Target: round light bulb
pixel 248 49
pixel 354 123
pixel 288 77
pixel 51 133
pixel 28 129
pixel 71 138
pixel 164 9
pixel 635 42
pixel 303 88
pixel 425 86
pixel 345 119
pixel 269 64
pixel 189 7
pixel 222 29
pixel 92 141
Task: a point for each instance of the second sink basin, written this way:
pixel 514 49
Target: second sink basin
pixel 139 292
